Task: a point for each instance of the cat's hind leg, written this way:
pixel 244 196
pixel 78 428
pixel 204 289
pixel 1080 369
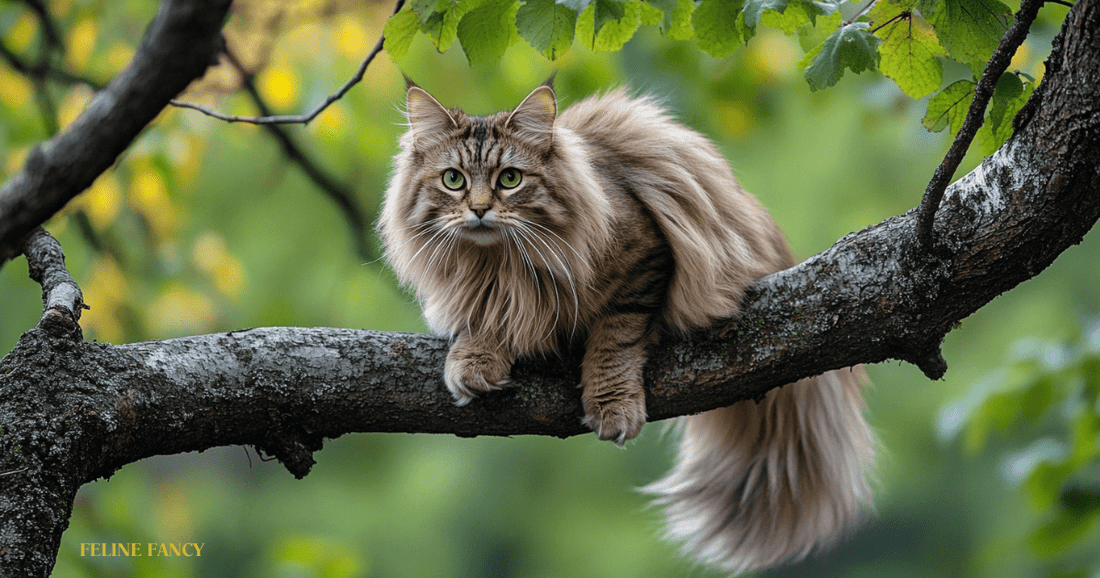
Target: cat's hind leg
pixel 611 375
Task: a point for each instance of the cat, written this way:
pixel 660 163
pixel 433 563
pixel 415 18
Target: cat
pixel 615 224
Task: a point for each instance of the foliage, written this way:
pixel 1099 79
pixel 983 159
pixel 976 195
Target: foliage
pixel 1046 399
pixel 909 41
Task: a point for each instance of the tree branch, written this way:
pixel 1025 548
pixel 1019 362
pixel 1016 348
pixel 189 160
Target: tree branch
pixel 340 194
pixel 180 43
pixel 61 297
pixel 997 65
pixel 298 118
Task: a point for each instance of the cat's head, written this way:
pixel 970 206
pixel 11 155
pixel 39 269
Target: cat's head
pixel 510 200
pixel 484 179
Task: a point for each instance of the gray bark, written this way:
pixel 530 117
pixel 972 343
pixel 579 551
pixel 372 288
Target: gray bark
pixel 72 412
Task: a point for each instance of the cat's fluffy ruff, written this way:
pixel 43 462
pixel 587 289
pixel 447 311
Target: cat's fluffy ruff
pixel 641 224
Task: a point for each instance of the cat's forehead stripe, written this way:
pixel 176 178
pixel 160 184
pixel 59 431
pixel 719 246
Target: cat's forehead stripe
pixel 480 139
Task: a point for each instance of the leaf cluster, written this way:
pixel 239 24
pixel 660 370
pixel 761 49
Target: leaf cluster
pixel 909 41
pixel 1046 399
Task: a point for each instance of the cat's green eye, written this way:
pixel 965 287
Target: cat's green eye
pixel 509 178
pixel 453 179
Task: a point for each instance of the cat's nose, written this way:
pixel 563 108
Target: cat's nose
pixel 479 210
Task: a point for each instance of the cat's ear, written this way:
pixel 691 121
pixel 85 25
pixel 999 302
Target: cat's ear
pixel 425 114
pixel 535 116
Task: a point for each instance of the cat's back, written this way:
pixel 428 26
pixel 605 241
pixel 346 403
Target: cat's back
pixel 720 236
pixel 630 125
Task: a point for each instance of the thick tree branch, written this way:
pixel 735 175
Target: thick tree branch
pixel 181 42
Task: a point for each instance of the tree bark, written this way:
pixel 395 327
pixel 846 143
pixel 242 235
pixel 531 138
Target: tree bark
pixel 71 412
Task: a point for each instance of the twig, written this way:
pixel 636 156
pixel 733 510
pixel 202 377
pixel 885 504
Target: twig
pixel 297 118
pixel 62 299
pixel 49 26
pixel 14 472
pixel 998 63
pixel 866 8
pixel 339 193
pixel 43 69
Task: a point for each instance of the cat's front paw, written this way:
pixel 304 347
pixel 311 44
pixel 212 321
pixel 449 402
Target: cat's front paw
pixel 617 418
pixel 468 372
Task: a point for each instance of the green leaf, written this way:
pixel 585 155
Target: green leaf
pixel 487 31
pixel 909 49
pixel 613 34
pixel 676 23
pixel 754 8
pixel 968 29
pixel 795 17
pixel 949 107
pixel 849 47
pixel 810 37
pixel 1009 96
pixel 442 27
pixel 607 11
pixel 425 8
pixel 651 15
pixel 716 28
pixel 1009 90
pixel 547 26
pixel 399 32
pixel 1060 533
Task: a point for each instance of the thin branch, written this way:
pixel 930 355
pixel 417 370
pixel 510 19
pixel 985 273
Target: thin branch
pixel 859 13
pixel 339 193
pixel 998 63
pixel 49 26
pixel 298 118
pixel 62 299
pixel 43 69
pixel 906 15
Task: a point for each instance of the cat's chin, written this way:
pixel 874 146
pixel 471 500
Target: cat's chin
pixel 482 236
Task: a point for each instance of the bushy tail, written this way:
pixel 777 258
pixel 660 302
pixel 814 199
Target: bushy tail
pixel 759 484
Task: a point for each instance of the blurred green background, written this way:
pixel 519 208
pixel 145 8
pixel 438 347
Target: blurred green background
pixel 205 226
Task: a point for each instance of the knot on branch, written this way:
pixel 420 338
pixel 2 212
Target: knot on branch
pixel 931 362
pixel 293 449
pixel 61 323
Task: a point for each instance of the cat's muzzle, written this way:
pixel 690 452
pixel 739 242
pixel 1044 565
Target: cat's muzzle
pixel 483 230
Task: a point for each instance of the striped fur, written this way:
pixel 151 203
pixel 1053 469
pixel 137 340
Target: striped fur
pixel 623 223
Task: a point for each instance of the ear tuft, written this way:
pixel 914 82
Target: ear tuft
pixel 425 112
pixel 535 115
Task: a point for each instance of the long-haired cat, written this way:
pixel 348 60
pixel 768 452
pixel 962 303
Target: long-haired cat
pixel 613 223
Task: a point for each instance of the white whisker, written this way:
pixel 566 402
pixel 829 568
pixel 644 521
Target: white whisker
pixel 569 274
pixel 443 248
pixel 566 270
pixel 556 305
pixel 529 265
